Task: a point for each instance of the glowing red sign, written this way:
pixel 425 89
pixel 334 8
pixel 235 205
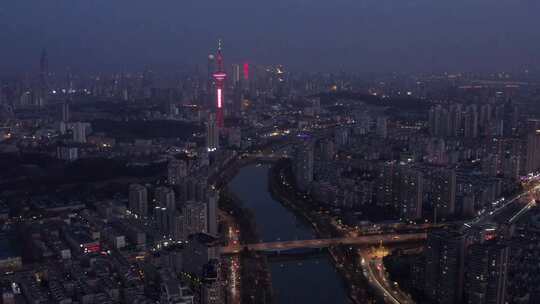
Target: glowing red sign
pixel 246 71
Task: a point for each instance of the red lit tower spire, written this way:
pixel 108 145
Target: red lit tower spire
pixel 219 76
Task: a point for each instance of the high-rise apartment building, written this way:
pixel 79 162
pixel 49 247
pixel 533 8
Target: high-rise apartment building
pixel 165 209
pixel 79 132
pixel 138 200
pixel 532 162
pixel 212 211
pixel 176 171
pixel 411 187
pixel 444 269
pixel 303 166
pixel 487 266
pixel 195 217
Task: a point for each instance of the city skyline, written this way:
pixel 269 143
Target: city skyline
pixel 370 36
pixel 264 153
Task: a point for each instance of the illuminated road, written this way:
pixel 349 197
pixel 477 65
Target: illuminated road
pixel 232 263
pixel 526 199
pixel 374 271
pixel 522 211
pixel 322 243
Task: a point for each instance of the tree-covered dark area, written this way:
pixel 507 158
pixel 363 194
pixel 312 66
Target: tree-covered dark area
pixel 36 173
pixel 130 130
pixel 396 106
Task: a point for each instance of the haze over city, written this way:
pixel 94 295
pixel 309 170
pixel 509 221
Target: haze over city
pixel 269 152
pixel 316 35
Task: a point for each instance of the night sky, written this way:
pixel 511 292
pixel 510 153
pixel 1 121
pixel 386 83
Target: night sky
pixel 311 35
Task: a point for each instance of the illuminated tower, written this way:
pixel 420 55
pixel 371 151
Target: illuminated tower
pixel 219 77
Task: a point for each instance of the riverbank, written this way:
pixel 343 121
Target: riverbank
pixel 295 279
pixel 255 283
pixel 281 186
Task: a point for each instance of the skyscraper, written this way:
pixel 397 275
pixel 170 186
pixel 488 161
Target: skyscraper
pixel 387 181
pixel 138 200
pixel 212 133
pixel 43 90
pixel 165 209
pixel 382 126
pixel 236 75
pixel 444 271
pixel 210 66
pixel 195 216
pixel 219 76
pixel 44 72
pixel 440 185
pixel 532 162
pixel 65 111
pixel 487 266
pixel 176 171
pixel 410 193
pixel 303 166
pixel 79 132
pixel 471 122
pixel 341 137
pixel 212 210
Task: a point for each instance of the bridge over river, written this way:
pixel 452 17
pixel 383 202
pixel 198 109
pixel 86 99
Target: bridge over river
pixel 322 243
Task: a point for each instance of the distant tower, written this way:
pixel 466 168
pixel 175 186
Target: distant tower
pixel 69 81
pixel 236 75
pixel 43 78
pixel 44 70
pixel 219 77
pixel 65 111
pixel 211 67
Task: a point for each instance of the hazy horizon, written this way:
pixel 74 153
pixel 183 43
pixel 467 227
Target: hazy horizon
pixel 349 35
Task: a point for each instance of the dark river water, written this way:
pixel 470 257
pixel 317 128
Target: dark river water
pixel 312 280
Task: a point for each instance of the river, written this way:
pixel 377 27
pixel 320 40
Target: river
pixel 312 280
